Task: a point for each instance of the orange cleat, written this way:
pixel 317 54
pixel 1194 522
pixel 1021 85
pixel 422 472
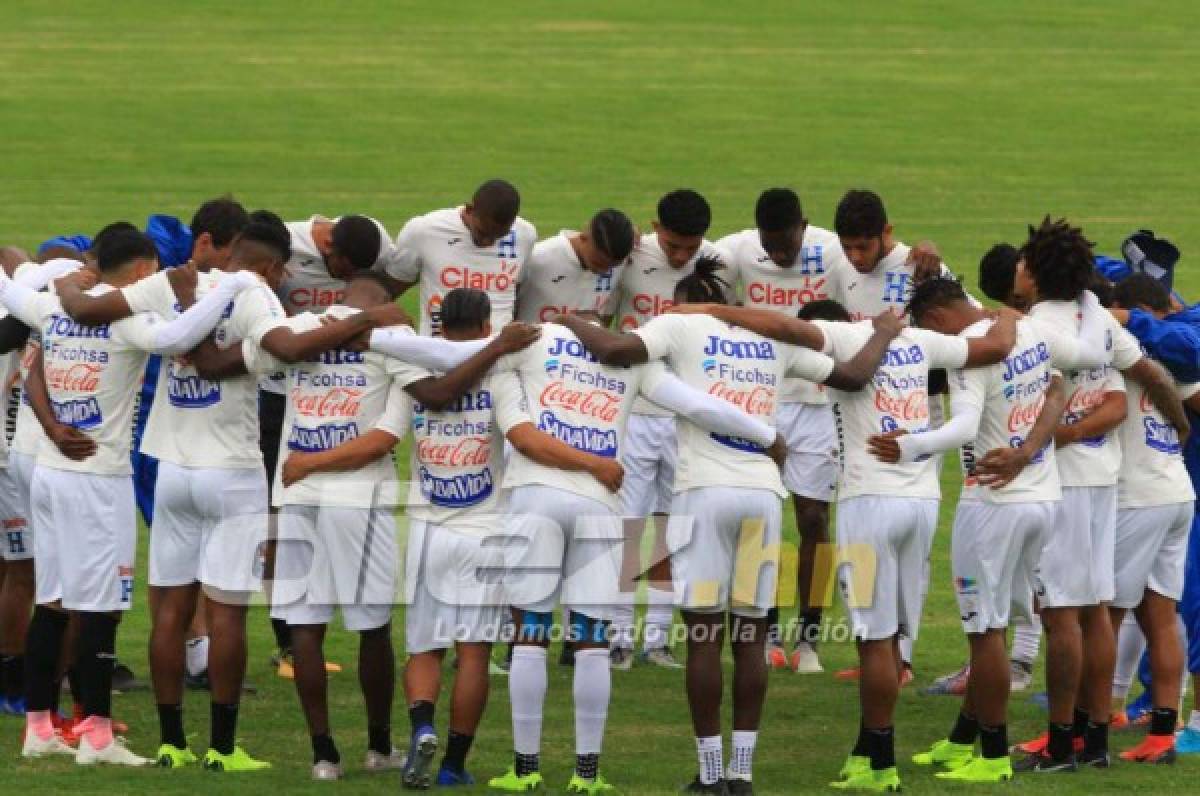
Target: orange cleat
pixel 776 657
pixel 852 675
pixel 1118 721
pixel 1153 749
pixel 1038 745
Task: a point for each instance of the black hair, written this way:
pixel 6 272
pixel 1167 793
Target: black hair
pixel 267 229
pixel 998 271
pixel 465 309
pixel 703 286
pixel 110 229
pixel 118 246
pixel 1059 258
pixel 777 210
pixel 684 212
pixel 376 277
pixel 860 214
pixel 221 218
pixel 613 233
pixel 823 310
pixel 940 291
pixel 357 239
pixel 1103 289
pixel 498 201
pixel 1142 290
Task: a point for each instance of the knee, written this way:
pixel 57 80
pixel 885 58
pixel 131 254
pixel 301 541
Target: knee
pixel 812 521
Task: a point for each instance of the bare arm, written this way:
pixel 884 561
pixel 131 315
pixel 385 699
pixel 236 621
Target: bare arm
pixel 997 468
pixel 439 392
pixel 609 348
pixel 855 373
pixel 290 346
pixel 1160 388
pixel 997 343
pixel 552 452
pixel 92 310
pixel 352 455
pixel 214 363
pixel 1106 416
pixel 768 323
pixel 73 443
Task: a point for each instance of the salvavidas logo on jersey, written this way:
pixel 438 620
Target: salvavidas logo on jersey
pixel 456 491
pixel 737 443
pixel 602 442
pixel 188 390
pixel 81 413
pixel 321 438
pixel 1161 437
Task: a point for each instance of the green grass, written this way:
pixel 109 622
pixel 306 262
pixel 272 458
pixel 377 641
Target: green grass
pixel 971 119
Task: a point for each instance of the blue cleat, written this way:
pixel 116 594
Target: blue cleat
pixel 1139 707
pixel 12 707
pixel 1187 741
pixel 449 778
pixel 1041 699
pixel 417 771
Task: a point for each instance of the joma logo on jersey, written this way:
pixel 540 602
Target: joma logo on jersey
pixel 82 414
pixel 464 489
pixel 467 402
pixel 739 349
pixel 502 281
pixel 189 391
pixel 321 438
pixel 899 357
pixel 65 326
pixel 1025 361
pixel 563 346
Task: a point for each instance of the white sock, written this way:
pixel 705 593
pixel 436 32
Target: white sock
pixel 622 624
pixel 593 688
pixel 527 697
pixel 1194 721
pixel 711 765
pixel 1027 639
pixel 197 655
pixel 1130 646
pixel 1187 676
pixel 741 763
pixel 906 649
pixel 660 608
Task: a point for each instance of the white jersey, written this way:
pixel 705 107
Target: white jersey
pixel 737 366
pixel 307 285
pixel 885 288
pixel 557 385
pixel 1009 396
pixel 813 276
pixel 646 289
pixel 188 408
pixel 1152 468
pixel 457 464
pixel 335 397
pixel 1095 461
pixel 554 281
pixel 896 398
pixel 437 249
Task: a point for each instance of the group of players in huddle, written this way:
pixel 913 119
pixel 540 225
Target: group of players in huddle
pixel 559 394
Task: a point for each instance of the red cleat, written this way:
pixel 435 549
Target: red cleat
pixel 852 675
pixel 1153 749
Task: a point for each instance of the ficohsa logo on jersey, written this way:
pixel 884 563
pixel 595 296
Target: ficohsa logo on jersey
pixel 742 384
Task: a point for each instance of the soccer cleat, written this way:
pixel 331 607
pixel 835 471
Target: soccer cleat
pixel 1118 721
pixel 885 780
pixel 980 769
pixel 946 753
pixel 591 787
pixel 511 783
pixel 953 684
pixel 235 761
pixel 620 658
pixel 498 669
pixel 123 680
pixel 325 771
pixel 1187 741
pixel 847 675
pixel 855 764
pixel 736 786
pixel 1042 763
pixel 1020 675
pixel 14 706
pixel 567 656
pixel 906 676
pixel 804 659
pixel 376 762
pixel 1139 707
pixel 449 778
pixel 660 656
pixel 776 656
pixel 36 746
pixel 171 756
pixel 1038 745
pixel 116 753
pixel 197 682
pixel 418 768
pixel 1093 759
pixel 718 788
pixel 1153 749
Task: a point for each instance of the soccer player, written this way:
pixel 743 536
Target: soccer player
pixel 575 271
pixel 88 371
pixel 646 289
pixel 1010 409
pixel 571 522
pixel 726 500
pixel 783 264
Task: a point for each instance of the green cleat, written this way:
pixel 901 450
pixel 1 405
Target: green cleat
pixel 237 760
pixel 855 764
pixel 981 769
pixel 170 756
pixel 871 781
pixel 946 753
pixel 511 783
pixel 591 787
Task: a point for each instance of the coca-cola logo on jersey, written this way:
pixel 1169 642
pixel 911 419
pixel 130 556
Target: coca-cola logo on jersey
pixel 757 400
pixel 79 377
pixel 1023 415
pixel 599 404
pixel 336 402
pixel 503 280
pixel 766 294
pixel 910 407
pixel 465 452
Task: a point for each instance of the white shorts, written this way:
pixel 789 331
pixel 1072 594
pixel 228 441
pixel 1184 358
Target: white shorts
pixel 725 545
pixel 1077 567
pixel 86 540
pixel 454 583
pixel 562 547
pixel 330 556
pixel 1151 551
pixel 994 551
pixel 883 559
pixel 648 454
pixel 17 543
pixel 811 469
pixel 209 527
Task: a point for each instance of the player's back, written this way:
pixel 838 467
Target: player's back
pixel 1152 468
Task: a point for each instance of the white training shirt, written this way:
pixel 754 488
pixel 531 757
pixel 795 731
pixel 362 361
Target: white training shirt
pixel 1095 461
pixel 736 366
pixel 897 397
pixel 1152 468
pixel 187 408
pixel 554 281
pixel 646 289
pixel 437 249
pixel 763 284
pixel 335 397
pixel 885 288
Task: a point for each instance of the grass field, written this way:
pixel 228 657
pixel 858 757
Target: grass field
pixel 971 119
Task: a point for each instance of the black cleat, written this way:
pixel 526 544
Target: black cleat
pixel 718 788
pixel 1044 764
pixel 1098 759
pixel 739 787
pixel 197 682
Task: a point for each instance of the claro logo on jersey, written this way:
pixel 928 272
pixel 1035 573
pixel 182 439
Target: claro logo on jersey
pixel 305 298
pixel 645 306
pixel 81 379
pixel 764 294
pixel 188 390
pixel 503 280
